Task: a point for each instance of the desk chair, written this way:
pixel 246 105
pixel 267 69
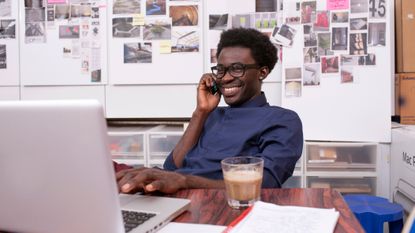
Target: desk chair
pixel 409 226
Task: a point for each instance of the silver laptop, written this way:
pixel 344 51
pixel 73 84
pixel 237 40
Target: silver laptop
pixel 56 173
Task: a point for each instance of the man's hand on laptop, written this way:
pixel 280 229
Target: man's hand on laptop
pixel 149 180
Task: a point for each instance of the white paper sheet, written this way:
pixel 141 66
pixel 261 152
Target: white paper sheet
pixel 175 227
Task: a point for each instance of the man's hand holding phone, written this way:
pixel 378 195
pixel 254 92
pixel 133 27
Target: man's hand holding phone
pixel 208 93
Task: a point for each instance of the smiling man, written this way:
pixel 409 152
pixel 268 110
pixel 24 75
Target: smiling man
pixel 248 126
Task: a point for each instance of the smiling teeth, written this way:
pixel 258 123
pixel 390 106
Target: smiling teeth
pixel 230 90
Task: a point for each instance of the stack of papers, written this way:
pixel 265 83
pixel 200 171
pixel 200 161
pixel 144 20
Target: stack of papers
pixel 266 218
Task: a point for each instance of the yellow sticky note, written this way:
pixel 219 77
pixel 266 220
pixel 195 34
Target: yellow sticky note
pixel 265 23
pixel 242 20
pixel 138 19
pixel 165 46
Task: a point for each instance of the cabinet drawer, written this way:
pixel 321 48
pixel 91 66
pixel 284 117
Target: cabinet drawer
pixel 292 182
pixel 127 146
pixel 160 145
pixel 341 157
pixel 363 185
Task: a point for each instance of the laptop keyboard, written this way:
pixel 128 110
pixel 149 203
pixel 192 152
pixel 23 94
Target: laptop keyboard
pixel 132 219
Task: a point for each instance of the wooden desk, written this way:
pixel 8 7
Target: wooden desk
pixel 209 206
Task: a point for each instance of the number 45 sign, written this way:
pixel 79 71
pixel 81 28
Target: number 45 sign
pixel 377 8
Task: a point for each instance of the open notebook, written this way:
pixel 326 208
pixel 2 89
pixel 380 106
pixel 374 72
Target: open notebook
pixel 56 173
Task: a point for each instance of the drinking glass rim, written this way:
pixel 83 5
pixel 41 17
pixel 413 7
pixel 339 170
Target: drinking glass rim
pixel 258 160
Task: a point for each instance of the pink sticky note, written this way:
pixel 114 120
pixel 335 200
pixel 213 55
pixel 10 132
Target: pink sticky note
pixel 337 4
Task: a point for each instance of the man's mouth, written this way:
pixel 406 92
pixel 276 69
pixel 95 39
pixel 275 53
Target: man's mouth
pixel 230 91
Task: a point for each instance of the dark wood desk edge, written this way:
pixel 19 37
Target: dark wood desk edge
pixel 208 206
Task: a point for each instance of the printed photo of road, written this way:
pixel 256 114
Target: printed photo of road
pixel 126 7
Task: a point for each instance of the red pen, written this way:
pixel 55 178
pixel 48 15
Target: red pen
pixel 237 220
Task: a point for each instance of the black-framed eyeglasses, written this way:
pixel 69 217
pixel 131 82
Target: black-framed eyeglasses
pixel 236 70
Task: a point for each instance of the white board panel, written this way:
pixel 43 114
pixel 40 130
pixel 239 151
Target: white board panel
pixel 10 93
pixel 136 56
pixel 353 108
pixel 9 46
pixel 64 44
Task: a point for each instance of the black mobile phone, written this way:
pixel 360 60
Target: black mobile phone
pixel 214 88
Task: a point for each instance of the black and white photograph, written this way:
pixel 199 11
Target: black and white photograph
pixel 377 9
pixel 265 5
pixel 352 60
pixel 339 38
pixel 50 13
pixel 126 7
pixel 138 53
pixel 358 6
pixel 156 7
pixel 358 43
pixel 240 21
pixel 293 73
pixel 185 15
pixel 35 14
pixel 346 74
pixel 308 12
pixel 185 41
pixel 292 88
pixel 310 37
pixel 324 42
pixel 219 22
pixel 357 24
pixel 330 65
pixel 323 21
pixel 95 12
pixel 69 32
pixel 3 56
pixel 311 74
pixel 34 3
pixel 377 33
pixel 339 17
pixel 157 29
pixel 62 11
pixel 7 29
pixel 124 28
pixel 311 55
pixel 284 35
pixel 5 8
pixel 370 59
pixel 35 32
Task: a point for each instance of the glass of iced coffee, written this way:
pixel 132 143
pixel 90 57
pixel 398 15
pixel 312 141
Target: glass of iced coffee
pixel 243 179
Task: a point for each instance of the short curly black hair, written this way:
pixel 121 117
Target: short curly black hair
pixel 262 50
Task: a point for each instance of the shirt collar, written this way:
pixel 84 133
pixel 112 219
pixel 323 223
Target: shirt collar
pixel 257 101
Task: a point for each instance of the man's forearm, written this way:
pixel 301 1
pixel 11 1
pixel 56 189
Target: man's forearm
pixel 193 182
pixel 190 137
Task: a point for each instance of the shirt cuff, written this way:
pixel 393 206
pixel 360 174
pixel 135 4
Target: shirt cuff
pixel 169 163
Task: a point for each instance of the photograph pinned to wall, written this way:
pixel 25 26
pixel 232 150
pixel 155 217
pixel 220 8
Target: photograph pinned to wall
pixel 240 21
pixel 218 22
pixel 56 1
pixel 293 73
pixel 265 20
pixel 377 9
pixel 35 14
pixel 62 12
pixel 6 8
pixel 157 29
pixel 35 32
pixel 7 29
pixel 213 59
pixel 352 60
pixel 293 20
pixel 330 65
pixel 185 41
pixel 95 12
pixel 308 12
pixel 358 43
pixel 283 35
pixel 322 22
pixel 357 24
pixel 85 61
pixel 324 42
pixel 126 7
pixel 156 7
pixel 311 74
pixel 96 76
pixel 85 28
pixel 124 28
pixel 66 51
pixel 265 5
pixel 346 74
pixel 86 10
pixel 95 65
pixel 292 88
pixel 75 11
pixel 50 16
pixel 358 6
pixel 34 3
pixel 292 12
pixel 311 55
pixel 377 33
pixel 69 32
pixel 339 17
pixel 339 38
pixel 3 56
pixel 310 37
pixel 337 4
pixel 370 59
pixel 186 15
pixel 138 52
pixel 95 34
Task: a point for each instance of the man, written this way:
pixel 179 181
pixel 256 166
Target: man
pixel 248 126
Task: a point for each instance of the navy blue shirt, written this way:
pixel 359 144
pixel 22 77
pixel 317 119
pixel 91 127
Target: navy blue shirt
pixel 254 128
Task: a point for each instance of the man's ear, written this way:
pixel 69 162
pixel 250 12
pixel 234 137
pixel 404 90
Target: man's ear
pixel 263 72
